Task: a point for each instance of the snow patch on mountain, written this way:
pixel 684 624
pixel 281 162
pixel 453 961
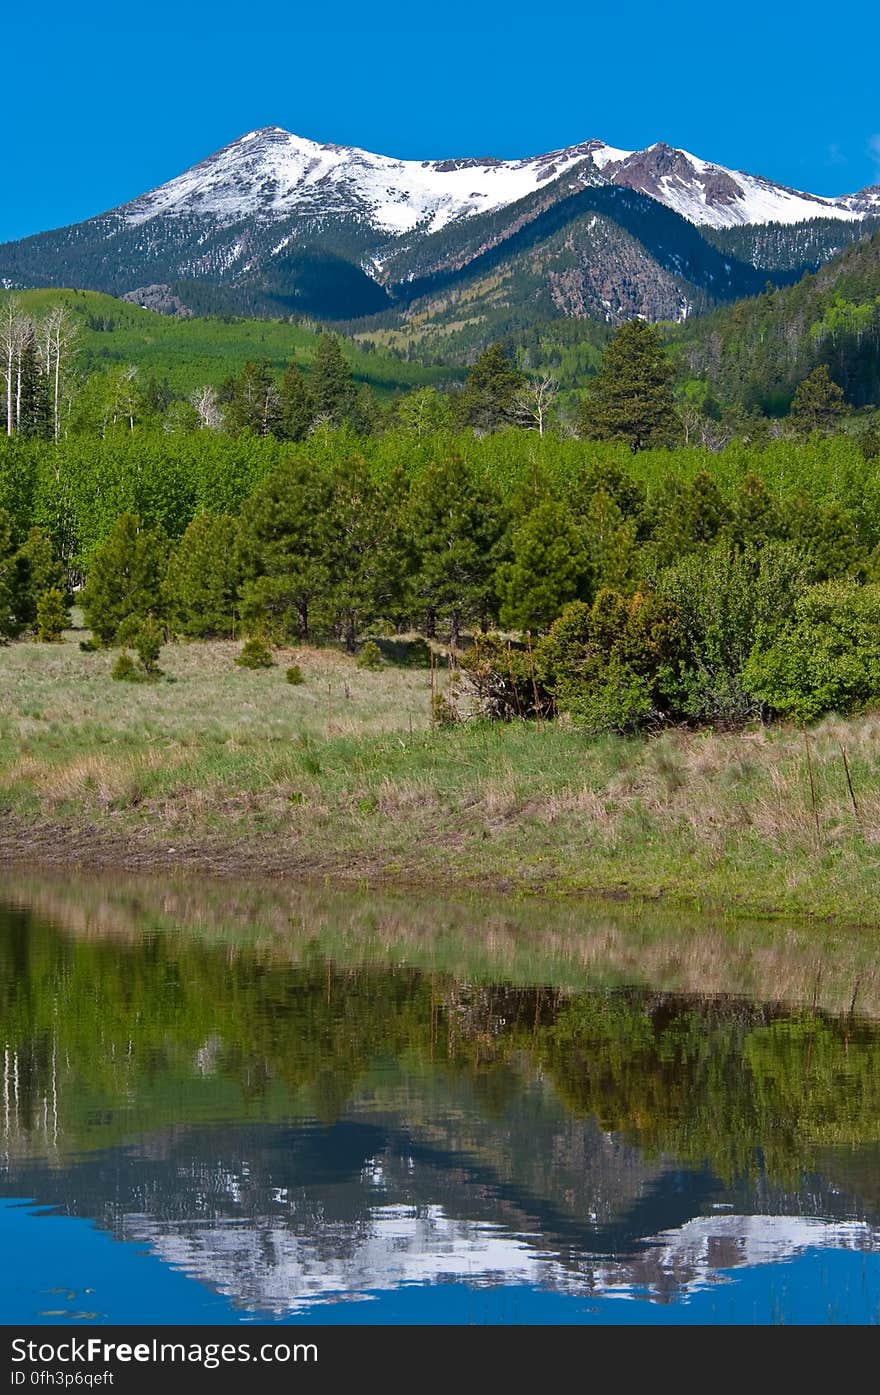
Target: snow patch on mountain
pixel 271 174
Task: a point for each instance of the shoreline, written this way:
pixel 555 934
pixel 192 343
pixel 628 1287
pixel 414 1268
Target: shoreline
pixel 61 846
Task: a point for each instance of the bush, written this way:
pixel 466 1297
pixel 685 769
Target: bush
pixel 827 659
pixel 722 597
pixel 255 653
pixel 612 665
pixel 443 714
pixel 125 670
pixel 294 675
pixel 148 643
pixel 501 679
pixel 53 616
pixel 370 656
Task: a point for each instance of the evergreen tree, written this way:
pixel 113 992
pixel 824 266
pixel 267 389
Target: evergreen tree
pixel 296 408
pixel 631 397
pixel 371 582
pixel 490 397
pixel 52 617
pixel 610 541
pixel 331 382
pixel 202 583
pixel 549 567
pixel 12 582
pixel 254 403
pixel 38 570
pixel 457 525
pixel 291 553
pixel 817 403
pixel 124 578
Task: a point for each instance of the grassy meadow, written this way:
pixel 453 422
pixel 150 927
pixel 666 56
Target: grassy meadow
pixel 343 778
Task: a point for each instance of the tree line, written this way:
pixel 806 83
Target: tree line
pixel 632 588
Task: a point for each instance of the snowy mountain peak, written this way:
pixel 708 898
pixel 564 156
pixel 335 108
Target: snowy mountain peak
pixel 270 173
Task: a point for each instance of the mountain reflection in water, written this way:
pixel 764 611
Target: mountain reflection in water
pixel 288 1129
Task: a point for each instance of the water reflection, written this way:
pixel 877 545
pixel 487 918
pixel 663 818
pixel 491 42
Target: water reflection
pixel 285 1128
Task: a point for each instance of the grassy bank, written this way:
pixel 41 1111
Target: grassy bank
pixel 226 770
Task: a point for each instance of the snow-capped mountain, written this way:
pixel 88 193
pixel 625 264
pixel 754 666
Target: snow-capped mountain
pixel 270 174
pixel 276 224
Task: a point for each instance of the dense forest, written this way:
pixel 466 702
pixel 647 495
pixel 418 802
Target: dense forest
pixel 649 556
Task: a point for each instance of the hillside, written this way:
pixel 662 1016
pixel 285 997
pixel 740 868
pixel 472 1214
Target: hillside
pixel 189 353
pixel 755 352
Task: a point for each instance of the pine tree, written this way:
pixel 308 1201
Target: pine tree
pixel 296 407
pixel 52 617
pixel 290 551
pixel 124 577
pixel 253 401
pixel 491 394
pixel 330 382
pixel 457 525
pixel 549 568
pixel 631 397
pixel 202 583
pixel 817 404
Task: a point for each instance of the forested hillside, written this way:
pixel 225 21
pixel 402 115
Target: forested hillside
pixel 756 352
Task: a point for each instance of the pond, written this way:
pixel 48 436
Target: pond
pixel 222 1105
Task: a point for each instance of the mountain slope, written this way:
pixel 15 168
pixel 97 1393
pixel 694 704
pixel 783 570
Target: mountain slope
pixel 296 227
pixel 755 352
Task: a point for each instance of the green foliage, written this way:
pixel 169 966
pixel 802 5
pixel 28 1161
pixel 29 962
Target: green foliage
pixel 125 670
pixel 501 676
pixel 631 397
pixel 148 642
pixel 611 665
pixel 817 403
pixel 456 522
pixel 255 653
pixel 549 567
pixel 290 552
pixel 331 384
pixel 294 675
pixel 124 577
pixel 53 616
pixel 202 583
pixel 370 656
pixel 826 658
pixel 722 597
pixel 489 398
pixel 253 402
pixel 443 713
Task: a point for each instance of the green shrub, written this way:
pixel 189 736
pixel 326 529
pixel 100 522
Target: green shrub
pixel 255 653
pixel 53 616
pixel 443 713
pixel 125 670
pixel 148 643
pixel 612 665
pixel 370 656
pixel 826 659
pixel 722 597
pixel 294 675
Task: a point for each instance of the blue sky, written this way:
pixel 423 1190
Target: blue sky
pixel 103 101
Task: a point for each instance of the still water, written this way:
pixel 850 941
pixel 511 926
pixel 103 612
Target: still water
pixel 340 1110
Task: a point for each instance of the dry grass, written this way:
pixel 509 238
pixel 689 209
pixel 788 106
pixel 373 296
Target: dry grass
pixel 344 777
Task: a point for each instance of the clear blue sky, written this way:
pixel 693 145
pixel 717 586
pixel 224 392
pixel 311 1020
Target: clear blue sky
pixel 105 100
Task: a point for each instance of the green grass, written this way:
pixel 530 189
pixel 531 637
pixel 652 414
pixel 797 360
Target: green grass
pixel 344 778
pixel 207 350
